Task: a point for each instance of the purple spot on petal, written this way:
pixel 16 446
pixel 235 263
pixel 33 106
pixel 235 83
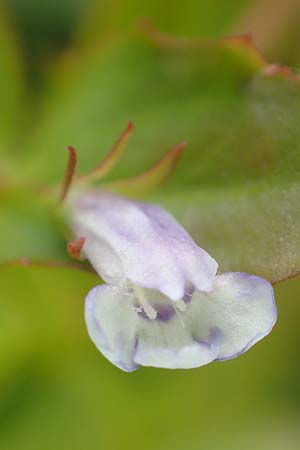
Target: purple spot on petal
pixel 164 312
pixel 189 290
pixel 215 335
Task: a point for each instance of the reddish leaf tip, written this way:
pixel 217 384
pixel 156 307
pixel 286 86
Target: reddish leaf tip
pixel 272 70
pixel 130 126
pixel 181 146
pixel 72 152
pixel 176 151
pixel 74 248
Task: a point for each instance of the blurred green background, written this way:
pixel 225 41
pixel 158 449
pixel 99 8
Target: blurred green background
pixel 74 72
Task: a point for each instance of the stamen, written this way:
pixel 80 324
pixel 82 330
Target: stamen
pixel 178 313
pixel 69 174
pixel 149 311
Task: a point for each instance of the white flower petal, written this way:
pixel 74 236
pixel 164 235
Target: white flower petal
pixel 128 338
pixel 237 313
pixel 143 243
pixel 170 345
pixel 112 324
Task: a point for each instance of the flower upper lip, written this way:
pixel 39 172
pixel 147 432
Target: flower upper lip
pixel 140 238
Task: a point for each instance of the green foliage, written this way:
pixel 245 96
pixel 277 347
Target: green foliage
pixel 244 208
pixel 29 228
pixel 236 185
pixel 171 95
pixel 11 86
pixel 236 189
pixel 199 18
pixel 44 27
pixel 59 392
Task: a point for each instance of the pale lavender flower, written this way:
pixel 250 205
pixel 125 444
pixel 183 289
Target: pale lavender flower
pixel 163 304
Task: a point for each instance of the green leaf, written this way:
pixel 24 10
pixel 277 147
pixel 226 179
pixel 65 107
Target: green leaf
pixel 244 208
pixel 254 230
pixel 171 95
pixel 40 307
pixel 239 116
pixel 205 18
pixel 29 228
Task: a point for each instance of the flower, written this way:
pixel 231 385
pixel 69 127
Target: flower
pixel 163 303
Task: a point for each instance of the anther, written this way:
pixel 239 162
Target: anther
pixel 148 309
